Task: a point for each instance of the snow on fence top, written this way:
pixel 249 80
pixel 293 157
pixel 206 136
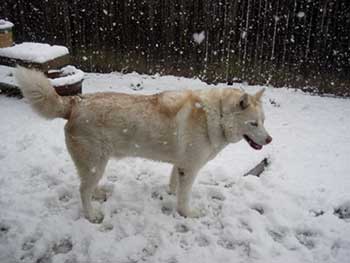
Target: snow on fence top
pixel 70 75
pixel 5 24
pixel 34 52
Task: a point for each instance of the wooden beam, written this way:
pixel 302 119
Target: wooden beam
pixel 56 63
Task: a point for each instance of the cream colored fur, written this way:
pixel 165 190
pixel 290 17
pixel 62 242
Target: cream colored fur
pixel 184 128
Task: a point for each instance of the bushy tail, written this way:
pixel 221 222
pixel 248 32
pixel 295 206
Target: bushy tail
pixel 42 96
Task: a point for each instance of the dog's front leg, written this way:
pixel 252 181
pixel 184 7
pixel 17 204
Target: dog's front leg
pixel 186 177
pixel 173 180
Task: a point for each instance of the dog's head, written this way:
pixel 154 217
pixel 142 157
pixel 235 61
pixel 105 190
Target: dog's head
pixel 243 117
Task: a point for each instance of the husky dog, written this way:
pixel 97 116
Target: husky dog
pixel 184 128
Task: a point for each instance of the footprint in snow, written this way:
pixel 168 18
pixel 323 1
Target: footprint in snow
pixel 202 241
pixel 4 229
pixel 106 227
pixel 157 195
pixel 181 228
pixel 258 208
pixel 343 211
pixel 30 241
pixel 306 238
pixel 112 178
pixel 277 235
pixel 172 259
pixel 65 197
pixel 216 195
pixel 63 246
pixel 242 246
pixel 64 194
pixel 317 213
pixel 167 209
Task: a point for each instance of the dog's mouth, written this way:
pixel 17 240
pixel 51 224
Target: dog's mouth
pixel 253 144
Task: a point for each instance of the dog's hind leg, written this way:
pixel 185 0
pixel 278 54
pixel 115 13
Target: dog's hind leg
pixel 90 175
pixel 90 161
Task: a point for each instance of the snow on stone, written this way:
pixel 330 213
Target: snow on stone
pixel 5 24
pixel 71 75
pixel 199 37
pixel 298 211
pixel 34 52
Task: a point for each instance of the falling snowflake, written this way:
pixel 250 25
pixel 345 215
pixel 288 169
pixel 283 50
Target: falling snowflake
pixel 199 37
pixel 300 14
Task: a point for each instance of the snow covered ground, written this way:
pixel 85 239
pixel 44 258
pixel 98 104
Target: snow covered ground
pixel 298 211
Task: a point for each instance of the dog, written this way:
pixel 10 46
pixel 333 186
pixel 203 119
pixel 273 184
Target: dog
pixel 184 128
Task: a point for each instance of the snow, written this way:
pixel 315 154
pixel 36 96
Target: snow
pixel 199 37
pixel 300 14
pixel 71 75
pixel 5 24
pixel 6 75
pixel 34 52
pixel 296 212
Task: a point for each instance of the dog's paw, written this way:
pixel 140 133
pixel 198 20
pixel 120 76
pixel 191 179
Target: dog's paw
pixel 95 217
pixel 191 213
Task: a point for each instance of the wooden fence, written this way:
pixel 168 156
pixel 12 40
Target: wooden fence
pixel 297 43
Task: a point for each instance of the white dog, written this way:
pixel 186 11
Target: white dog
pixel 184 128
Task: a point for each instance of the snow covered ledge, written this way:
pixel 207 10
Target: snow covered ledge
pixel 34 52
pixel 67 81
pixel 4 24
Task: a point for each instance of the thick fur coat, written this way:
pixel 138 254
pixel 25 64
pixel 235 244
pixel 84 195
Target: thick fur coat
pixel 184 128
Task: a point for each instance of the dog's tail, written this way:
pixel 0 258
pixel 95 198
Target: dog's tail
pixel 36 87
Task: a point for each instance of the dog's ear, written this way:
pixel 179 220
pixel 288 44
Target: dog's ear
pixel 259 94
pixel 244 101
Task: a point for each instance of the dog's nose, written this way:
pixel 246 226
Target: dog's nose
pixel 268 139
